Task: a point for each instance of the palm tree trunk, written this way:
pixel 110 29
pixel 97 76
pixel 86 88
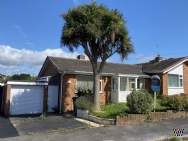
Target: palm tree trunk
pixel 96 78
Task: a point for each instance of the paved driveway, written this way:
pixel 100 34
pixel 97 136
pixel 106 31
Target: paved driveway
pixel 7 129
pixel 30 125
pixel 142 132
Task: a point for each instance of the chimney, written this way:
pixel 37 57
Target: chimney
pixel 81 57
pixel 157 59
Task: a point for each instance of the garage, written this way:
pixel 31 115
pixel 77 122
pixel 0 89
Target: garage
pixel 26 99
pixel 23 98
pixel 52 98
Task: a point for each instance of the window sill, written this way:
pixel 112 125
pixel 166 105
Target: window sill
pixel 175 87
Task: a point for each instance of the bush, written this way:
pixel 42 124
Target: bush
pixel 83 92
pixel 112 110
pixel 140 102
pixel 84 104
pixel 160 107
pixel 177 103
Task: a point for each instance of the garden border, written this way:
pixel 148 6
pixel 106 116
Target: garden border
pixel 153 116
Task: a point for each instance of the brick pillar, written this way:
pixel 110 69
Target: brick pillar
pixel 45 99
pixel 164 84
pixel 6 100
pixel 69 86
pixel 185 77
pixel 106 88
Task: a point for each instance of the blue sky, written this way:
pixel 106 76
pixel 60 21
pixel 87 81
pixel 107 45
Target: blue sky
pixel 30 30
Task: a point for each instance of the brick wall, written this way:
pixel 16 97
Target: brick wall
pixel 185 77
pixel 164 84
pixel 69 85
pixel 106 88
pixel 157 116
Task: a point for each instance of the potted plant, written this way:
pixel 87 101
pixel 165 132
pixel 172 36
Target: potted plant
pixel 83 107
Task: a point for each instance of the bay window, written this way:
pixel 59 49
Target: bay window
pixel 131 83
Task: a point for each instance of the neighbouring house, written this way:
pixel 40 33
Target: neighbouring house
pixel 117 80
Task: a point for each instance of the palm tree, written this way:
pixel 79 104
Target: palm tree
pixel 101 33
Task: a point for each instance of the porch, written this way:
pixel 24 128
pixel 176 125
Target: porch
pixel 123 85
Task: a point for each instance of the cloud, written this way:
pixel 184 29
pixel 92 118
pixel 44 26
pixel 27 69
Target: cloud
pixel 21 59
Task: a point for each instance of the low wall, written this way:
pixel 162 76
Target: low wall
pixel 157 116
pixel 102 120
pixel 84 115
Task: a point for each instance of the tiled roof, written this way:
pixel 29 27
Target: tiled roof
pixel 64 64
pixel 159 67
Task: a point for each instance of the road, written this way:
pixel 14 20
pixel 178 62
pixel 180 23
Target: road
pixel 141 132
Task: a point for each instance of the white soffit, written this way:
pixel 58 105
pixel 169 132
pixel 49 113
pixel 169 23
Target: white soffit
pixel 174 66
pixel 25 83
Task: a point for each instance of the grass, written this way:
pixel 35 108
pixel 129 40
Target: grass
pixel 176 139
pixel 112 110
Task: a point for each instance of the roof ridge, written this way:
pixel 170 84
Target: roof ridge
pixel 89 61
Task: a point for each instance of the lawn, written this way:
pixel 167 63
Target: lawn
pixel 176 139
pixel 112 110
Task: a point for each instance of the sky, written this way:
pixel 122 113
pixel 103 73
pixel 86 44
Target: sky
pixel 30 30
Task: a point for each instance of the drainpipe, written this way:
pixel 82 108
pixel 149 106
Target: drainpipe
pixel 61 92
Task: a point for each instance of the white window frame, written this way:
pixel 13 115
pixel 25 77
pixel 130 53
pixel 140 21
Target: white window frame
pixel 100 86
pixel 135 82
pixel 126 84
pixel 180 77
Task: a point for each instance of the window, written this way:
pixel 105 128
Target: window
pixel 140 83
pixel 175 80
pixel 181 80
pixel 132 84
pixel 123 83
pixel 84 82
pixel 100 86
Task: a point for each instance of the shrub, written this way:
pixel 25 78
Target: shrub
pixel 112 110
pixel 84 104
pixel 160 107
pixel 139 102
pixel 83 92
pixel 185 100
pixel 177 103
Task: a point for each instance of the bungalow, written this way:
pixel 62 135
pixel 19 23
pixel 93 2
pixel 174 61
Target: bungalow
pixel 117 80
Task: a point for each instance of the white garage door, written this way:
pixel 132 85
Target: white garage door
pixel 52 98
pixel 26 99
